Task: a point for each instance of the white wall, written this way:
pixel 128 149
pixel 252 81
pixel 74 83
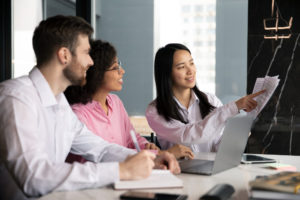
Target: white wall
pixel 231 49
pixel 128 25
pixel 26 16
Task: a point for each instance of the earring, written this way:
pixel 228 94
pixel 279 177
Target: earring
pixel 65 62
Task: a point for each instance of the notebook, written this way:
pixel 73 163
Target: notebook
pixel 157 179
pixel 230 151
pixel 272 195
pixel 281 182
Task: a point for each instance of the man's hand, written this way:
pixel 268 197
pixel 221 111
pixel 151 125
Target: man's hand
pixel 165 160
pixel 151 146
pixel 138 166
pixel 247 103
pixel 181 151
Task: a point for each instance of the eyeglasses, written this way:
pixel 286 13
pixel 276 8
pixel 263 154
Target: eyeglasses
pixel 116 67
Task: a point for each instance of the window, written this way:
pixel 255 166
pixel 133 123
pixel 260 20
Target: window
pixel 23 57
pixel 201 41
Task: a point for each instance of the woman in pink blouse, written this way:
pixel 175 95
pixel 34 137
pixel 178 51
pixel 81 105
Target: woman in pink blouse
pixel 181 113
pixel 102 112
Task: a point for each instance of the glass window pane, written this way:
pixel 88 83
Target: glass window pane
pixel 195 24
pixel 60 7
pixel 23 57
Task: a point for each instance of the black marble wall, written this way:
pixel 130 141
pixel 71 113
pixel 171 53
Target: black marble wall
pixel 277 128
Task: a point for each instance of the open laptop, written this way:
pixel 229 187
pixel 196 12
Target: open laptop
pixel 230 151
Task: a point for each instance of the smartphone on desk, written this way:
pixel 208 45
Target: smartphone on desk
pixel 254 159
pixel 134 195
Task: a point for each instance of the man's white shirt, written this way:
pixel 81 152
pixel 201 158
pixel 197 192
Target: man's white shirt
pixel 38 130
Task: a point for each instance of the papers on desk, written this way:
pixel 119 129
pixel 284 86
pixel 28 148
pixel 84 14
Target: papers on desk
pixel 267 83
pixel 157 179
pixel 272 195
pixel 283 185
pixel 282 182
pixel 281 167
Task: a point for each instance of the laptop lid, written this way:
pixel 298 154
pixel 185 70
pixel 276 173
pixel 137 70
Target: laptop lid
pixel 233 143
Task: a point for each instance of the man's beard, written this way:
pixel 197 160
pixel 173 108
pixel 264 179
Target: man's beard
pixel 71 76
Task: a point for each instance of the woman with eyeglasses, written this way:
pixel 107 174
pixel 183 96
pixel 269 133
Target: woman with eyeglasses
pixel 181 113
pixel 102 112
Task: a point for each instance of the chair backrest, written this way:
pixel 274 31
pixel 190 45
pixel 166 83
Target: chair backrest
pixel 154 140
pixel 9 190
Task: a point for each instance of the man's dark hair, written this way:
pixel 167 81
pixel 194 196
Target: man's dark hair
pixel 103 54
pixel 56 32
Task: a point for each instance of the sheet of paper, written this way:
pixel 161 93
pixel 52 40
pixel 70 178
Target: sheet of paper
pixel 157 179
pixel 267 83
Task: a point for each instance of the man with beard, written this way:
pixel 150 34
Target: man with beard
pixel 39 129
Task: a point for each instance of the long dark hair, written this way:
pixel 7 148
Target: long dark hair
pixel 103 54
pixel 165 103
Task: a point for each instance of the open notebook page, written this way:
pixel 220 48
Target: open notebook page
pixel 157 179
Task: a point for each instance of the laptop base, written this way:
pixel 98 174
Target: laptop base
pixel 197 166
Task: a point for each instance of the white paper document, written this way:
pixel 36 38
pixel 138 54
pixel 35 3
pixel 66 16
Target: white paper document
pixel 267 83
pixel 157 179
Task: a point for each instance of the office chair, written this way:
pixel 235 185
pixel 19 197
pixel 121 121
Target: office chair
pixel 9 190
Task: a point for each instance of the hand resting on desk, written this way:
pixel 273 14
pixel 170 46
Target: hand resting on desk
pixel 178 150
pixel 181 151
pixel 140 165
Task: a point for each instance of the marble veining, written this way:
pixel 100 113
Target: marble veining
pixel 274 121
pixel 292 130
pixel 270 65
pixel 277 128
pixel 257 54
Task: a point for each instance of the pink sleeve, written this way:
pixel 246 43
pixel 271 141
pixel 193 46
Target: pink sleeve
pixel 141 140
pixel 128 126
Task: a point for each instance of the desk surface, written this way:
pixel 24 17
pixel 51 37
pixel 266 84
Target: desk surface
pixel 194 185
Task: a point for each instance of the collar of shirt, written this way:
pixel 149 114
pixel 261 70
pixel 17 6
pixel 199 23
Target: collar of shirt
pixel 44 91
pixel 95 104
pixel 194 99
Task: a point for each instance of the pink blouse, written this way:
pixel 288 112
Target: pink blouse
pixel 114 127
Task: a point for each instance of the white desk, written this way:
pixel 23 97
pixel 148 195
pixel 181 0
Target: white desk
pixel 194 185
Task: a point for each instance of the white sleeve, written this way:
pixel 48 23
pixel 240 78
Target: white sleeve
pixel 24 152
pixel 94 148
pixel 214 100
pixel 202 131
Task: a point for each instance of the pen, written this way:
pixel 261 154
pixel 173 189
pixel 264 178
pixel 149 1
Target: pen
pixel 133 137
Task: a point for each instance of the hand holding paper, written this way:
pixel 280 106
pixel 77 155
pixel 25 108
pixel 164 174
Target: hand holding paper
pixel 247 103
pixel 269 84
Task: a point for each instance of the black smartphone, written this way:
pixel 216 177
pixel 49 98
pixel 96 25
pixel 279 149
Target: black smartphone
pixel 254 159
pixel 134 195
